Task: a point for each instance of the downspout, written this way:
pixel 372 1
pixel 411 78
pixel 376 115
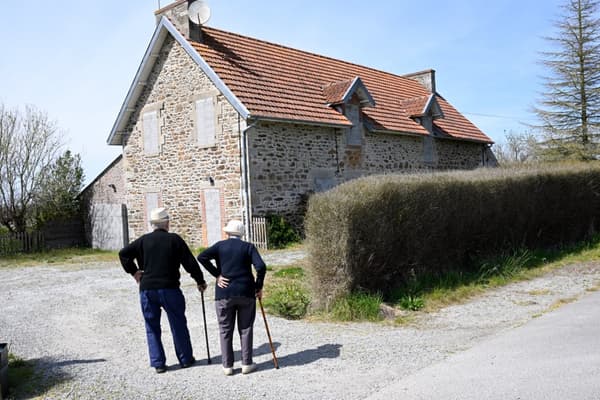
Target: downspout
pixel 246 177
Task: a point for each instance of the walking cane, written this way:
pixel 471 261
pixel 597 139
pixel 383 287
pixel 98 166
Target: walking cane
pixel 205 331
pixel 268 333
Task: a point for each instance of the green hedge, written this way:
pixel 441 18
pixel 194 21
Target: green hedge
pixel 375 233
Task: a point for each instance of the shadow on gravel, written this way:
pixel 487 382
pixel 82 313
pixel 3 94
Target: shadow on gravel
pixel 237 355
pixel 47 373
pixel 303 357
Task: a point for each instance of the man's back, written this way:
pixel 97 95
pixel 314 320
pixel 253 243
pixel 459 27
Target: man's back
pixel 159 254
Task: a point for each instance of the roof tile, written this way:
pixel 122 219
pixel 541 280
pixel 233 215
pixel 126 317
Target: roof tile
pixel 279 82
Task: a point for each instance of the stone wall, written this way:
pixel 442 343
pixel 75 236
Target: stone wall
pixel 454 154
pixel 182 169
pixel 106 191
pixel 109 186
pixel 289 162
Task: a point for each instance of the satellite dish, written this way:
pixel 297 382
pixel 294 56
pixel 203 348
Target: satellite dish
pixel 199 12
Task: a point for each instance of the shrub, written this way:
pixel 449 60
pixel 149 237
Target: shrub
pixel 358 306
pixel 289 300
pixel 412 302
pixel 280 233
pixel 370 233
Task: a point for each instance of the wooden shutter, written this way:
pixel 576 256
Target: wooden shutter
pixel 150 126
pixel 205 121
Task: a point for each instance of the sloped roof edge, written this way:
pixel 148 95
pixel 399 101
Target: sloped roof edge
pixel 163 28
pixel 100 175
pixel 434 107
pixel 358 85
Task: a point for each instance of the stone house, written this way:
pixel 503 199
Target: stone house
pixel 218 126
pixel 105 212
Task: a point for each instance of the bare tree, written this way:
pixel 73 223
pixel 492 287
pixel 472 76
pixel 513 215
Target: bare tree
pixel 569 108
pixel 518 148
pixel 29 144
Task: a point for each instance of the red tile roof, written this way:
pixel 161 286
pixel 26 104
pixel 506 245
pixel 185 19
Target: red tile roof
pixel 334 92
pixel 415 106
pixel 278 82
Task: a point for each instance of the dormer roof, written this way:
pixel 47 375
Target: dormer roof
pixel 342 92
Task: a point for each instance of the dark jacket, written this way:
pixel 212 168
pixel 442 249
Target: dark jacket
pixel 159 254
pixel 234 258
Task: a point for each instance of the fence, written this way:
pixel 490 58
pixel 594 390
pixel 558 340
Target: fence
pixel 259 232
pixel 22 242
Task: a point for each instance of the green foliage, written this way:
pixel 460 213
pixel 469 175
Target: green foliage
pixel 291 272
pixel 412 302
pixel 280 232
pixel 505 266
pixel 57 196
pixel 357 306
pixel 20 372
pixel 289 300
pixel 569 107
pixel 373 233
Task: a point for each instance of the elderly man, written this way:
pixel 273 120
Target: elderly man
pixel 235 292
pixel 159 255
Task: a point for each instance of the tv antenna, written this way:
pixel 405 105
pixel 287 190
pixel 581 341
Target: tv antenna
pixel 199 12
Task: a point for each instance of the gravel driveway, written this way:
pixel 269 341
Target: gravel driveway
pixel 83 327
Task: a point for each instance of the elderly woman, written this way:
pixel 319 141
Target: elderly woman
pixel 235 291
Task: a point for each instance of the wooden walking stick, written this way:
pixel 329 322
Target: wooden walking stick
pixel 268 334
pixel 205 331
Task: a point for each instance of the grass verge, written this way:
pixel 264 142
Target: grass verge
pixel 433 293
pixel 58 256
pixel 286 292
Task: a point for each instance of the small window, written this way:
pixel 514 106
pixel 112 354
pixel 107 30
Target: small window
pixel 206 121
pixel 150 127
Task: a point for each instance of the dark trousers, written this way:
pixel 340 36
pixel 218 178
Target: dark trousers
pixel 173 302
pixel 244 309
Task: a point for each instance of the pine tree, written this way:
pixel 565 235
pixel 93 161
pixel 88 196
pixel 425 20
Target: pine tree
pixel 569 108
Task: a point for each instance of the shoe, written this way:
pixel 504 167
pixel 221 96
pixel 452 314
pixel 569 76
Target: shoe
pixel 189 364
pixel 228 371
pixel 160 370
pixel 246 369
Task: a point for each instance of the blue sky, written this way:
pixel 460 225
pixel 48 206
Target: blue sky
pixel 76 59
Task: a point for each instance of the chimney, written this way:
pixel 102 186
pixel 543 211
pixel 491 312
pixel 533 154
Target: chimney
pixel 177 13
pixel 425 78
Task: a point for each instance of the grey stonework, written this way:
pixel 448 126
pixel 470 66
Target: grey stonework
pixel 107 191
pixel 182 169
pixel 287 161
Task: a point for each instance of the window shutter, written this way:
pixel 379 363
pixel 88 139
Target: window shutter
pixel 205 121
pixel 150 126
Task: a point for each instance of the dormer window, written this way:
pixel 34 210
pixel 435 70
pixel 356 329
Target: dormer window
pixel 349 97
pixel 423 110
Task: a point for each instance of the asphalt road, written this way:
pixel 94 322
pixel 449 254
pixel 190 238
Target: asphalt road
pixel 555 356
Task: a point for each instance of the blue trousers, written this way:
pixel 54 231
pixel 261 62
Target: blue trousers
pixel 173 302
